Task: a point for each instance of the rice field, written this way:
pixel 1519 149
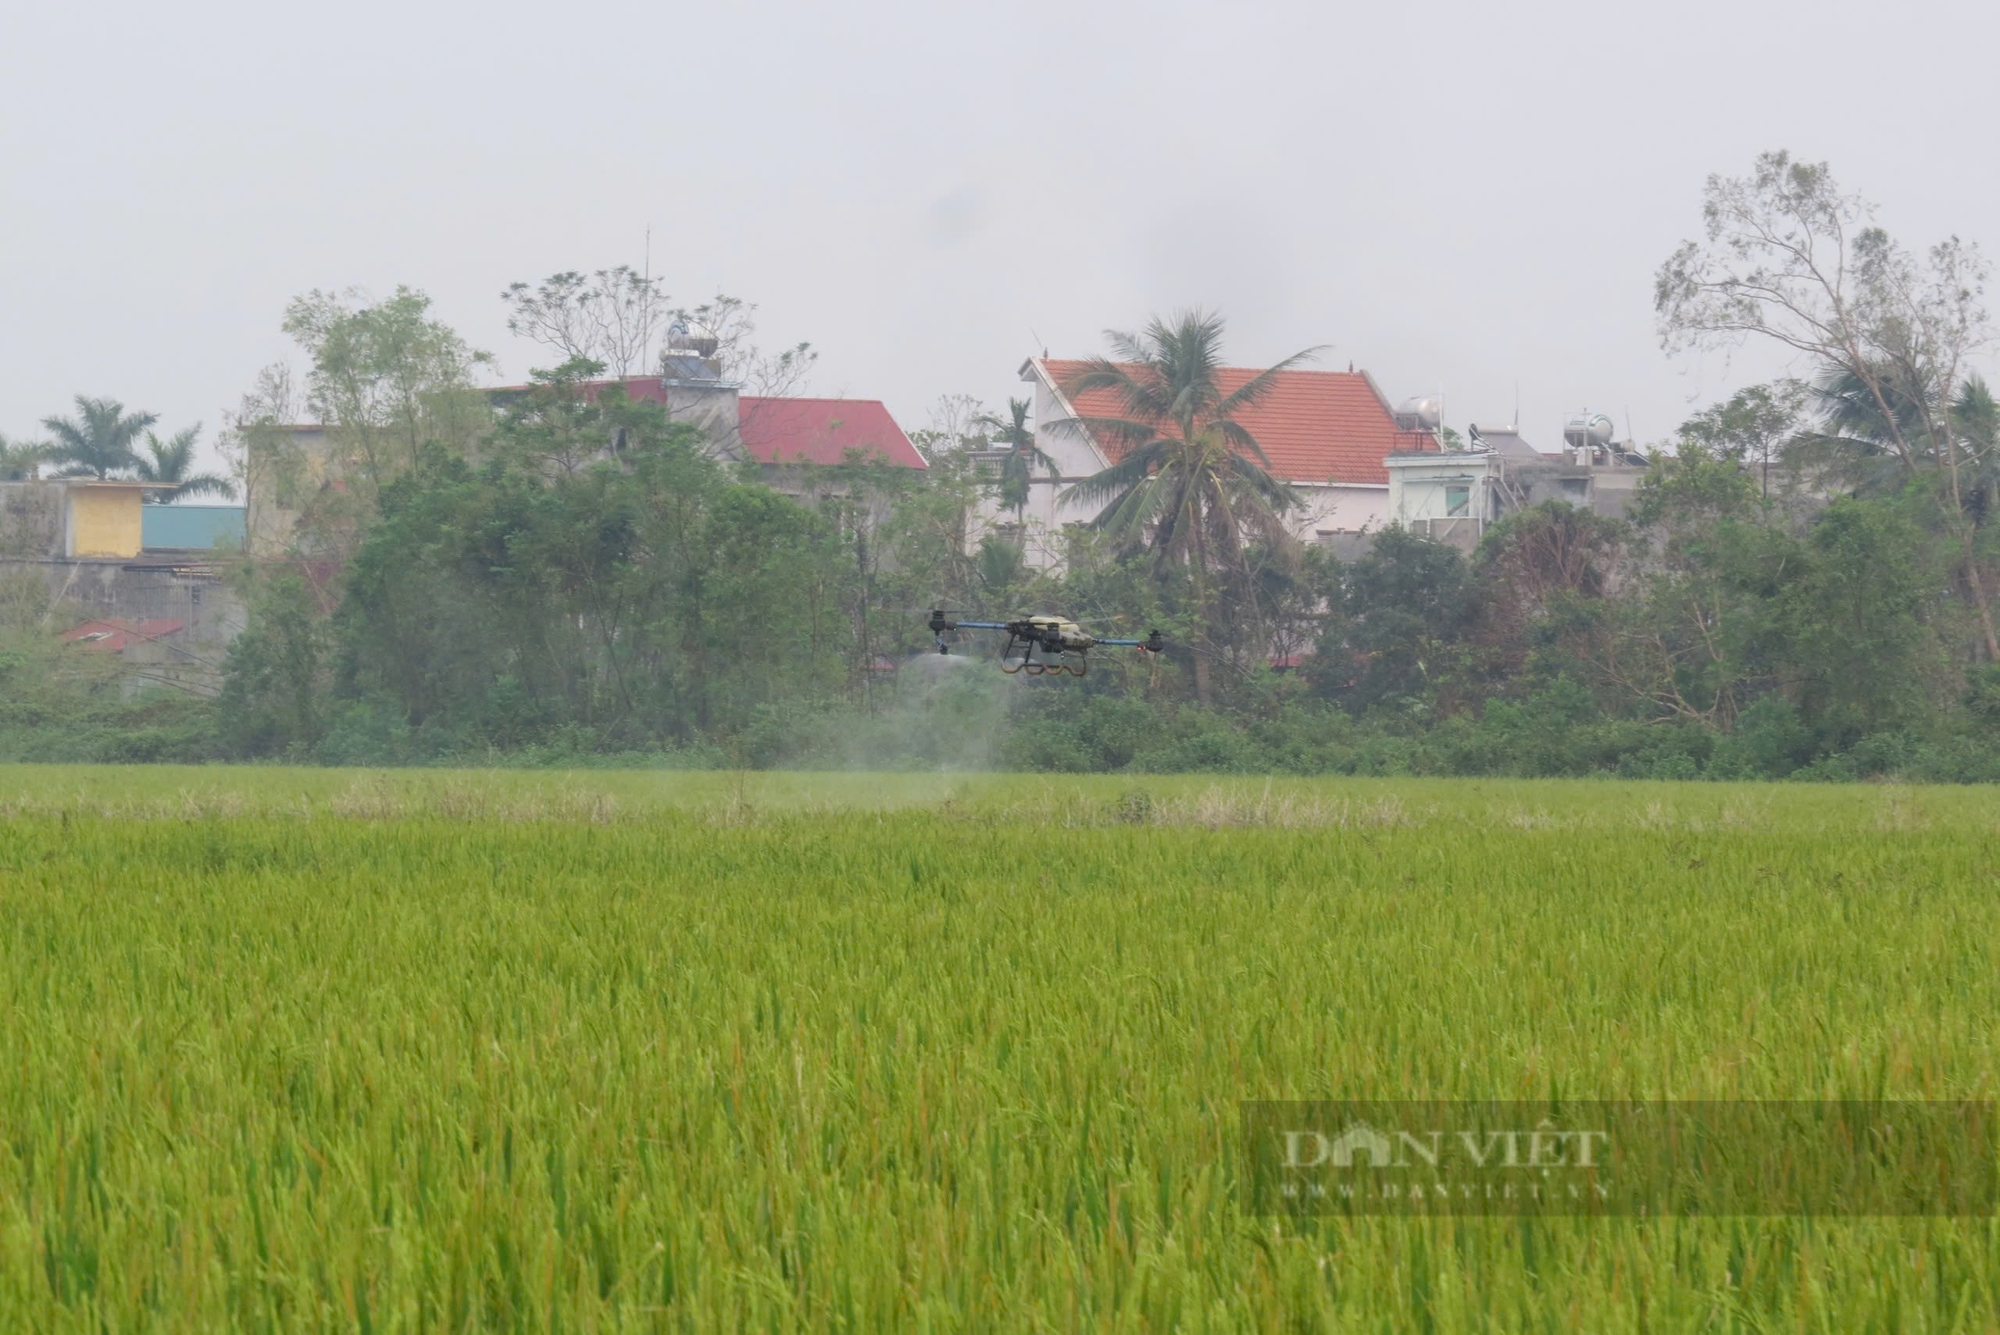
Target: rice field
pixel 424 1051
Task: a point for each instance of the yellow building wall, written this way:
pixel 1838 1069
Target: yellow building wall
pixel 104 522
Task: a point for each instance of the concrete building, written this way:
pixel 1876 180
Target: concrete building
pixel 102 519
pixel 1449 496
pixel 1454 496
pixel 1324 432
pixel 286 470
pixel 78 548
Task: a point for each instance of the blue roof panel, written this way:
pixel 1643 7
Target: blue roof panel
pixel 197 527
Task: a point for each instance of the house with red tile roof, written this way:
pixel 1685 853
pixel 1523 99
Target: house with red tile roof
pixel 1325 432
pixel 783 436
pixel 778 432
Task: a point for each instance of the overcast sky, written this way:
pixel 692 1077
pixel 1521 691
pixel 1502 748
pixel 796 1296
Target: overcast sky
pixel 1467 196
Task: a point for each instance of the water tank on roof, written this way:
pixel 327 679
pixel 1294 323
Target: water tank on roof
pixel 1588 431
pixel 686 337
pixel 1419 414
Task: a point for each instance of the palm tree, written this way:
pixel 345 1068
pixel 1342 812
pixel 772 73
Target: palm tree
pixel 100 444
pixel 1977 417
pixel 1024 456
pixel 1874 452
pixel 169 465
pixel 20 461
pixel 1859 444
pixel 1856 446
pixel 1188 480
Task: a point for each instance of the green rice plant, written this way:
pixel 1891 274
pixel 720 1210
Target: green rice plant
pixel 325 1050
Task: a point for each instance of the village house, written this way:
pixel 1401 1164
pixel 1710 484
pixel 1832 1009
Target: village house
pixel 1327 433
pixel 1454 496
pixel 144 582
pixel 787 438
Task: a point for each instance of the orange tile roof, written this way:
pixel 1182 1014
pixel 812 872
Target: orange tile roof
pixel 1315 426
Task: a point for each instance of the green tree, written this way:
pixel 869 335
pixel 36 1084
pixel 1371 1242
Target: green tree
pixel 608 317
pixel 98 441
pixel 1187 479
pixel 387 379
pixel 168 463
pixel 1976 415
pixel 276 681
pixel 1543 575
pixel 1790 258
pixel 1857 612
pixel 1407 605
pixel 1752 427
pixel 1689 634
pixel 1024 456
pixel 1854 444
pixel 643 598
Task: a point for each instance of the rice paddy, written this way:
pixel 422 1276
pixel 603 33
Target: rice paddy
pixel 419 1051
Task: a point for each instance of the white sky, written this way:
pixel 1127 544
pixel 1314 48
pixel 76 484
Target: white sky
pixel 1468 195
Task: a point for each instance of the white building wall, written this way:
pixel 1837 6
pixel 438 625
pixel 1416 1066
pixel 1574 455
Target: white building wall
pixel 1343 507
pixel 1328 509
pixel 1421 489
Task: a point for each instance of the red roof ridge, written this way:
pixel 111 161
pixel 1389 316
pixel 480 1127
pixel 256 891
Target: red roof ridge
pixel 799 398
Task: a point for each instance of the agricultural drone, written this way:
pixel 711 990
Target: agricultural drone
pixel 1062 642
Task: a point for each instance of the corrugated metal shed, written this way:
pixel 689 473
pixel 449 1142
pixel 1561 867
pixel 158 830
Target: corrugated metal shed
pixel 191 527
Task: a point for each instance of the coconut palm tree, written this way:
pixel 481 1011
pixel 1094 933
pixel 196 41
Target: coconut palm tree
pixel 1977 417
pixel 1874 453
pixel 1861 448
pixel 1187 480
pixel 99 444
pixel 20 461
pixel 171 459
pixel 1024 456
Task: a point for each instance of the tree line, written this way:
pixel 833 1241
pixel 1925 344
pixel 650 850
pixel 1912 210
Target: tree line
pixel 101 440
pixel 1802 585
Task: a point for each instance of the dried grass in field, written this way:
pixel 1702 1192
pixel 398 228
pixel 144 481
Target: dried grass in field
pixel 463 801
pixel 1902 815
pixel 1215 807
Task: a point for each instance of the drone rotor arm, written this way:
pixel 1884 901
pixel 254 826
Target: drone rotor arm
pixel 1154 643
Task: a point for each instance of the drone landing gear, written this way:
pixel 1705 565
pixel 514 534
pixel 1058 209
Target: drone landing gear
pixel 1035 667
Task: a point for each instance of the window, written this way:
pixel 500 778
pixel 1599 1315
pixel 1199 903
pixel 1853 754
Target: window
pixel 1457 499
